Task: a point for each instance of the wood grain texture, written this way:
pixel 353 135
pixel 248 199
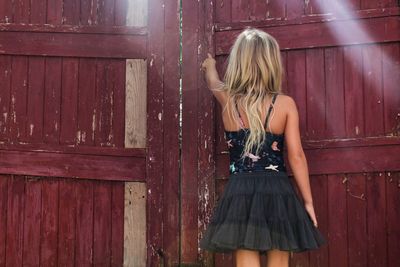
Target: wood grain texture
pixel 135 103
pixel 135 224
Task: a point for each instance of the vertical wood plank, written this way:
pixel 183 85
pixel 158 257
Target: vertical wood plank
pixel 297 85
pixel 137 13
pixel 373 95
pixel 319 185
pixel 118 219
pixel 284 58
pixel 49 221
pixel 258 10
pixel 104 102
pixel 35 103
pixel 190 135
pixel 337 222
pixel 69 99
pixel 354 104
pixel 102 223
pixel 89 12
pixel 21 11
pixel 135 224
pixel 3 217
pixel 294 9
pixel 105 11
pixel 206 131
pixel 357 220
pixel 55 12
pixel 376 221
pixel 316 95
pixel 135 103
pixel 52 100
pixel 84 223
pixel 6 11
pixel 71 12
pixel 240 10
pixel 155 121
pixel 66 223
pixel 38 12
pixel 223 9
pixel 119 88
pixel 391 81
pixel 15 220
pixel 19 82
pixel 86 101
pixel 121 12
pixel 276 8
pixel 393 211
pixel 5 85
pixel 32 222
pixel 335 94
pixel 171 130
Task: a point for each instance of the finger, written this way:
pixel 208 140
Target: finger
pixel 209 55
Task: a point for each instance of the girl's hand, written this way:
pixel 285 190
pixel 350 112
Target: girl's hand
pixel 311 212
pixel 208 62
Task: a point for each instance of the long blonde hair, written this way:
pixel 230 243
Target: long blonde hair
pixel 254 72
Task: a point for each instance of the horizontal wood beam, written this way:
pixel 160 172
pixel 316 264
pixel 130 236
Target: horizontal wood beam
pixel 319 34
pixel 314 18
pixel 94 29
pixel 73 44
pixel 70 165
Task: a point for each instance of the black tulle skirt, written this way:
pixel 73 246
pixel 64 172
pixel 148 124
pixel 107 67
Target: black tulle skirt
pixel 260 211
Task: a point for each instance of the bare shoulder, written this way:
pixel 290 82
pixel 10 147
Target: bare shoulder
pixel 286 102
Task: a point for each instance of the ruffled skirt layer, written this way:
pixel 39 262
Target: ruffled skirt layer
pixel 260 211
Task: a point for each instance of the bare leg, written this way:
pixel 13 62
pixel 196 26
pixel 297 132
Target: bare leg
pixel 247 258
pixel 277 258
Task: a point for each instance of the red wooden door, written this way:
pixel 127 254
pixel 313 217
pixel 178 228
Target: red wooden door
pixel 342 66
pixel 85 113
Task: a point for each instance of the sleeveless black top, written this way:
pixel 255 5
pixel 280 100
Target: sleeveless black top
pixel 270 157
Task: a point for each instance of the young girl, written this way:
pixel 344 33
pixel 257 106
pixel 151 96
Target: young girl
pixel 259 211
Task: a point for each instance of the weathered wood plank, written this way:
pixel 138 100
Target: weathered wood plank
pixel 5 84
pixel 102 223
pixel 118 220
pixel 32 221
pixel 19 82
pixel 135 103
pixel 79 45
pixel 354 104
pixel 86 102
pixel 84 223
pixel 190 132
pixel 316 98
pixel 337 227
pixel 357 219
pixel 135 228
pixel 3 217
pixel 319 34
pixel 393 211
pixel 319 189
pixel 376 219
pixel 391 81
pixel 15 219
pixel 69 101
pixel 335 94
pixel 35 105
pixel 73 165
pixel 49 222
pixel 66 223
pixel 373 91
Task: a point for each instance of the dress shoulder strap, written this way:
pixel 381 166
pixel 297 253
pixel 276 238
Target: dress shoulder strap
pixel 269 110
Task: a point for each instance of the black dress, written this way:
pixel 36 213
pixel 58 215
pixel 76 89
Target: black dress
pixel 259 209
